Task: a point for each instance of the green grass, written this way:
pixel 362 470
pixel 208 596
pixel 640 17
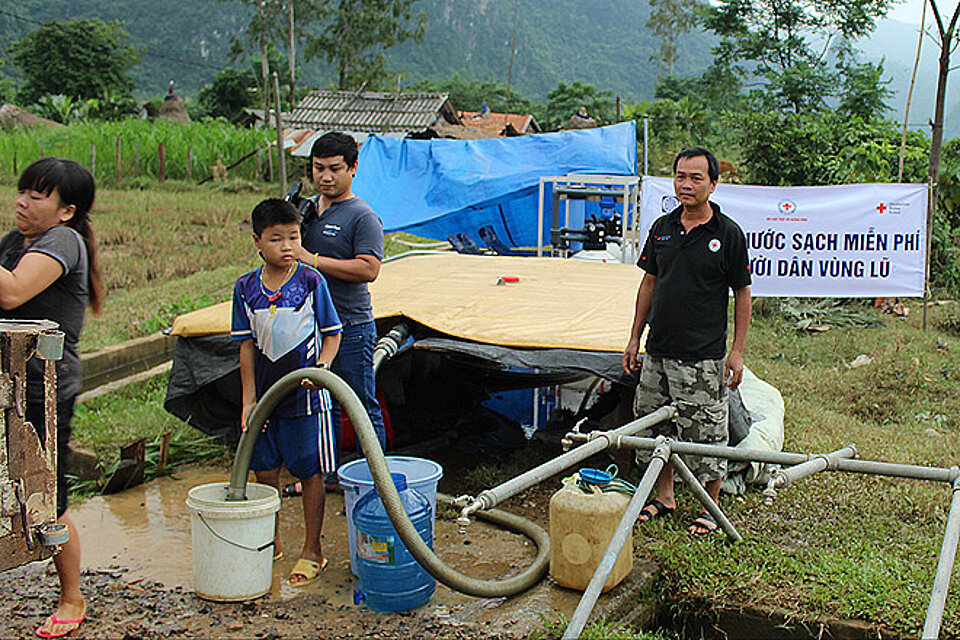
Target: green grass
pixel 600 630
pixel 839 545
pixel 135 411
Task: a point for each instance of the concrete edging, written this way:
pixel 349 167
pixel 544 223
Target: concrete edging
pixel 125 359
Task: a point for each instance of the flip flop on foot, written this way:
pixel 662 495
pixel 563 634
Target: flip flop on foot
pixel 704 524
pixel 307 571
pixel 59 627
pixel 655 509
pixel 292 490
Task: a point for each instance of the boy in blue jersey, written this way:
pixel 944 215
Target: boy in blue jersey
pixel 285 318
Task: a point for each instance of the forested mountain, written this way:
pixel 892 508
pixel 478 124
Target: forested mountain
pixel 603 42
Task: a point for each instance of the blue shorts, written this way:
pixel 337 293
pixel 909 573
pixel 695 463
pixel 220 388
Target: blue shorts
pixel 306 445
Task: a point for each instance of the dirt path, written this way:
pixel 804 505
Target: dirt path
pixel 121 607
pixel 138 576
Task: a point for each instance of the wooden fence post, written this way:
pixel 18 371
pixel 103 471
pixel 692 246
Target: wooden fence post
pixel 190 163
pixel 259 164
pixel 136 159
pixel 270 161
pixel 118 158
pixel 161 173
pixel 93 159
pixel 15 172
pixel 41 149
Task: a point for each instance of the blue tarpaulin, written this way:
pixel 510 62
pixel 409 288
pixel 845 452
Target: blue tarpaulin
pixel 435 188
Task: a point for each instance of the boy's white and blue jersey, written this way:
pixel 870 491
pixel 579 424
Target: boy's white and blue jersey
pixel 287 333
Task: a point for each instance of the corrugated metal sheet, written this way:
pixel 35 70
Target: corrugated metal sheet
pixel 372 112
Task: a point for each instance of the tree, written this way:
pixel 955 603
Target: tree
pixel 231 91
pixel 947 35
pixel 668 20
pixel 823 148
pixel 567 99
pixel 786 47
pixel 353 34
pixel 80 59
pixel 864 92
pixel 271 29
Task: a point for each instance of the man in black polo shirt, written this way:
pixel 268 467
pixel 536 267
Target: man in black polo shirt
pixel 692 258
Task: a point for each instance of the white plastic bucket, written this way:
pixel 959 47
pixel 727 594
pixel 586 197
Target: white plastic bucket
pixel 232 550
pixel 356 480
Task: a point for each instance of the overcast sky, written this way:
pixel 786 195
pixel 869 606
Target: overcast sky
pixel 911 10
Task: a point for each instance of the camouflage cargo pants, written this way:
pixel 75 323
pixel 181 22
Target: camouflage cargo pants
pixel 698 389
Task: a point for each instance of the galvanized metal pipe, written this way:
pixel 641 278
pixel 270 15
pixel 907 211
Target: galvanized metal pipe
pixel 941 584
pixel 717 451
pixel 785 477
pixel 589 599
pixel 869 467
pixel 492 497
pixel 704 497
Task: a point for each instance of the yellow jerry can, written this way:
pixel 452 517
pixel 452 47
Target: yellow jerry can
pixel 581 525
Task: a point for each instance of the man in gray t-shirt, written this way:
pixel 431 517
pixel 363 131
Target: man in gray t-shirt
pixel 344 241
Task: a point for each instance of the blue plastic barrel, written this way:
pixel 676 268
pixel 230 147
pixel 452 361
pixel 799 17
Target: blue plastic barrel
pixel 390 578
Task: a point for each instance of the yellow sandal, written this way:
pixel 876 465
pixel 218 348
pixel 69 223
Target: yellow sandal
pixel 308 569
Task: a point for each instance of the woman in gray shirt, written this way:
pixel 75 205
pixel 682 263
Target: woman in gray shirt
pixel 48 271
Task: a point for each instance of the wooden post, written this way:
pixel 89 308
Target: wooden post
pixel 259 163
pixel 93 159
pixel 136 158
pixel 190 163
pixel 282 160
pixel 41 149
pixel 118 158
pixel 270 163
pixel 161 173
pixel 164 452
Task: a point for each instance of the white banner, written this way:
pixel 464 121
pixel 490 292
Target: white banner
pixel 858 240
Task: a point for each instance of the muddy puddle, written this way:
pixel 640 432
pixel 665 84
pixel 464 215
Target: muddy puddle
pixel 146 530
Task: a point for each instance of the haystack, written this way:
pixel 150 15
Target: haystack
pixel 580 120
pixel 12 117
pixel 173 107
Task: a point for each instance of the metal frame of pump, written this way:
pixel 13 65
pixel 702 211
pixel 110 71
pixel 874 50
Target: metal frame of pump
pixel 580 186
pixel 796 466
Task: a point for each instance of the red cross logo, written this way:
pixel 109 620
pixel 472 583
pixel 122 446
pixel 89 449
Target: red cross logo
pixel 786 207
pixel 881 208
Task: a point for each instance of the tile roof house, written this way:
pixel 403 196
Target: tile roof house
pixel 371 112
pixel 498 123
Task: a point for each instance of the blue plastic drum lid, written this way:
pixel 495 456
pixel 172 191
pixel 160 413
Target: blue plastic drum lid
pixel 390 577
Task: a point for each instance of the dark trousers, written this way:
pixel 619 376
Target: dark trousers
pixel 354 363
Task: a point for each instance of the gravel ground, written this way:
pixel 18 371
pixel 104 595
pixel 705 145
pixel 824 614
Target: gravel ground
pixel 131 609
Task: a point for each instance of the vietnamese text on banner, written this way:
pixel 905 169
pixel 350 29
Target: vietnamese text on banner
pixel 859 240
